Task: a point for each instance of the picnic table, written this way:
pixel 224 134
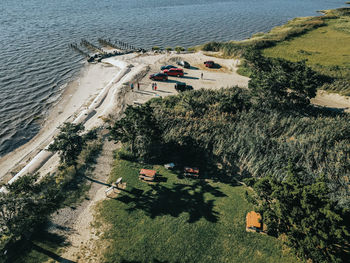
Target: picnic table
pixel 189 171
pixel 147 175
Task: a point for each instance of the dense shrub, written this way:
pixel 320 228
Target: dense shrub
pixel 223 126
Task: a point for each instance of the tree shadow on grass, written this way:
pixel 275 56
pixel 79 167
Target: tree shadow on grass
pixel 162 200
pixel 26 246
pixel 51 254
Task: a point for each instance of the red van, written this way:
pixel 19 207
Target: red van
pixel 178 72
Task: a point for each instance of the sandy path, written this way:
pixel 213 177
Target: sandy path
pixel 75 223
pixel 332 100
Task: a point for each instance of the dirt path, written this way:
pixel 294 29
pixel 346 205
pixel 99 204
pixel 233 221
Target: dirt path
pixel 75 223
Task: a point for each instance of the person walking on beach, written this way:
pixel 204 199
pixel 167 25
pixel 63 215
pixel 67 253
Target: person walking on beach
pixel 132 87
pixel 138 86
pixel 202 75
pixel 155 86
pixel 152 86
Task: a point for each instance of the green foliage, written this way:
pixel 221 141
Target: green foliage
pixel 340 86
pixel 178 49
pixel 280 83
pixel 155 48
pixel 300 208
pixel 139 129
pixel 211 127
pixel 293 28
pixel 23 208
pixel 69 143
pixel 325 48
pixel 29 202
pixel 180 220
pixel 168 49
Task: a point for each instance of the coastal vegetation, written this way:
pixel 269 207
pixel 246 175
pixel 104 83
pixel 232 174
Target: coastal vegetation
pixel 321 41
pixel 298 207
pixel 26 207
pixel 244 135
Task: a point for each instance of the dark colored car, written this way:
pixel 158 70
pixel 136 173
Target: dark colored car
pixel 167 67
pixel 178 72
pixel 159 76
pixel 209 64
pixel 184 64
pixel 182 86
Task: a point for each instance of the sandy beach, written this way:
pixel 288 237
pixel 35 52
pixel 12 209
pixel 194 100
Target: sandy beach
pixel 103 90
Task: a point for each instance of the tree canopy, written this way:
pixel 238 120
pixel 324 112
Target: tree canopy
pixel 69 142
pixel 281 83
pixel 300 207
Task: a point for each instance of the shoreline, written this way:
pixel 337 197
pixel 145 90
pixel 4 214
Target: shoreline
pixel 73 99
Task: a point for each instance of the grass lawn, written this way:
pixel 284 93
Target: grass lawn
pixel 181 220
pixel 326 48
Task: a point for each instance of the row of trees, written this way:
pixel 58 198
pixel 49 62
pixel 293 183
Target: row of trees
pixel 29 201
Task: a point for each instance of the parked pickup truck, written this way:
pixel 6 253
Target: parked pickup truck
pixel 182 86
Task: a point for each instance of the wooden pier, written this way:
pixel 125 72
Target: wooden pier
pixel 118 48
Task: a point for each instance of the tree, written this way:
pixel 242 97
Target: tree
pixel 138 129
pixel 23 208
pixel 69 143
pixel 281 83
pixel 178 49
pixel 301 208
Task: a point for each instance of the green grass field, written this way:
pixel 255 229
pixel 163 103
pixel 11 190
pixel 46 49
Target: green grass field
pixel 326 49
pixel 181 220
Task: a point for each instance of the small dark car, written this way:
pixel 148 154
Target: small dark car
pixel 167 67
pixel 184 64
pixel 159 76
pixel 209 64
pixel 182 86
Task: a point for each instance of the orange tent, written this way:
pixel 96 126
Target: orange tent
pixel 254 220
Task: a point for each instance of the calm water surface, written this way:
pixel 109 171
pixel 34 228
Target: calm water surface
pixel 36 62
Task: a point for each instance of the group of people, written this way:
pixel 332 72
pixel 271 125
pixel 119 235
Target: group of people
pixel 132 86
pixel 154 86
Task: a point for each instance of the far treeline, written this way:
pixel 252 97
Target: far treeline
pixel 321 41
pixel 296 156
